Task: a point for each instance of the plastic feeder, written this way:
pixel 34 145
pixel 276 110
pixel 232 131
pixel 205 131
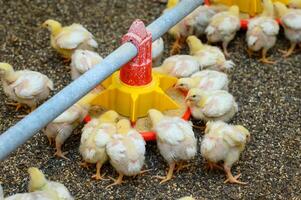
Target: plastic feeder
pixel 135 89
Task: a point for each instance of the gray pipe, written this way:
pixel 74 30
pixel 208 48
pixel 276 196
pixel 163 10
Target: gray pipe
pixel 35 121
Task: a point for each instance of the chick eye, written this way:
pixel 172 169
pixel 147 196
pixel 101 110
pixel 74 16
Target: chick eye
pixel 193 96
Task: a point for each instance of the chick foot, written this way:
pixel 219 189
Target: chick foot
pixel 176 47
pixel 117 181
pixel 97 176
pixel 231 178
pixel 17 105
pixel 59 152
pixel 287 53
pixel 264 58
pixel 169 174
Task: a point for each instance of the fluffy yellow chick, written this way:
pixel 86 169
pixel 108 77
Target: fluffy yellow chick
pixel 262 32
pixel 61 128
pixel 223 27
pixel 179 66
pixel 38 182
pixel 65 40
pixel 211 105
pixel 95 136
pixel 82 61
pixel 209 57
pixel 175 140
pixel 157 51
pixel 291 22
pixel 126 151
pixel 180 31
pixel 24 86
pixel 295 4
pixel 224 142
pixel 205 79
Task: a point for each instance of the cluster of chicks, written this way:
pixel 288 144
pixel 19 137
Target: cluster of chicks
pixel 202 74
pixel 220 23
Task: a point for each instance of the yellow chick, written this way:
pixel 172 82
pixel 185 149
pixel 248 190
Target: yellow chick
pixel 179 66
pixel 211 105
pixel 24 86
pixel 157 51
pixel 224 142
pixel 61 128
pixel 209 57
pixel 65 40
pixel 175 140
pixel 82 61
pixel 95 136
pixel 126 151
pixel 223 27
pixel 295 4
pixel 180 31
pixel 205 79
pixel 291 22
pixel 262 32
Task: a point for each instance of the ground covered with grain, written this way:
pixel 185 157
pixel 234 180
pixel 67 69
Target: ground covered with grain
pixel 269 98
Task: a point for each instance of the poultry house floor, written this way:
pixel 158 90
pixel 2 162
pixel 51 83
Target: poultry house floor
pixel 269 98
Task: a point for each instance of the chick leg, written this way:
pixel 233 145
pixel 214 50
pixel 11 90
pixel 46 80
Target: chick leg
pixel 84 164
pixel 97 176
pixel 264 59
pixel 211 166
pixel 225 48
pixel 59 152
pixel 181 166
pixel 231 178
pixel 118 181
pixel 250 52
pixel 177 45
pixel 169 174
pixel 289 51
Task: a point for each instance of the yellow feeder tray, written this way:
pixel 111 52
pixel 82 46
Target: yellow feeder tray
pixel 133 101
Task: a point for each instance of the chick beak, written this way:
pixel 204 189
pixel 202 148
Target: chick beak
pixel 187 99
pixel 44 25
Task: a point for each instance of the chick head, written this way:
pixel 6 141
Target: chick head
pixel 123 126
pixel 155 116
pixel 184 84
pixel 234 10
pixel 194 44
pixel 281 9
pixel 244 131
pixel 172 3
pixel 110 116
pixel 194 95
pixel 52 25
pixel 295 4
pixel 5 68
pixel 37 179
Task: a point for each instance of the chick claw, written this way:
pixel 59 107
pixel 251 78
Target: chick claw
pixel 163 178
pixel 210 166
pixel 182 166
pixel 99 177
pixel 267 61
pixel 117 181
pixel 233 179
pixel 61 154
pixel 17 105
